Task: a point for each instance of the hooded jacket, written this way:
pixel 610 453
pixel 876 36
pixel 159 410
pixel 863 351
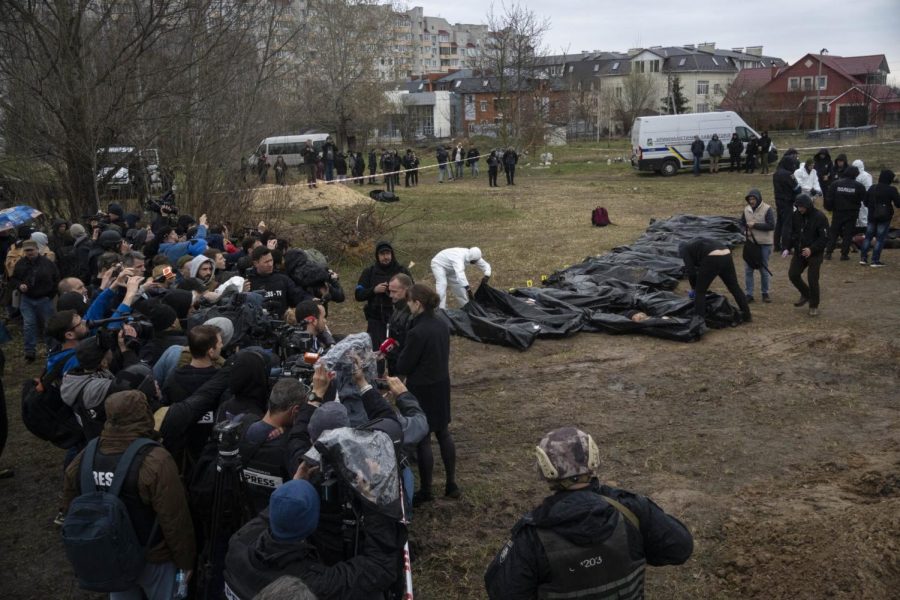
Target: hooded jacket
pixel 846 194
pixel 808 181
pixel 195 265
pixel 583 518
pixel 808 230
pixel 715 147
pixel 882 198
pixel 255 559
pixel 158 485
pixel 823 165
pixel 249 384
pixel 378 306
pixel 735 146
pixel 839 165
pixel 784 183
pixel 194 247
pixel 762 217
pixel 40 275
pixel 864 177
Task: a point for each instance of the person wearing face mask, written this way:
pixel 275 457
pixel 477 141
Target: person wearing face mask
pixel 425 361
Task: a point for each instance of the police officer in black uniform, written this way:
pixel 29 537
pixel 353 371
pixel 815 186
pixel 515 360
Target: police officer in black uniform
pixel 587 540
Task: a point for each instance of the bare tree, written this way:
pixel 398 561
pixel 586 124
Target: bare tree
pixel 634 98
pixel 339 85
pixel 511 56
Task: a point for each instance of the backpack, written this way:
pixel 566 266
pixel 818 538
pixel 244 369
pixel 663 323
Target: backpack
pixel 98 535
pixel 600 217
pixel 45 414
pixel 383 196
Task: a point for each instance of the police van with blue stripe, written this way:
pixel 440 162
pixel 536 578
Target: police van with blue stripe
pixel 663 144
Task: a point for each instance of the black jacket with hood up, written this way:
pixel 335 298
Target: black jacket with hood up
pixel 584 518
pixel 784 183
pixel 882 198
pixel 378 306
pixel 808 230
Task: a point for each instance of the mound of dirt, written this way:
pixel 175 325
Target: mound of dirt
pixel 301 197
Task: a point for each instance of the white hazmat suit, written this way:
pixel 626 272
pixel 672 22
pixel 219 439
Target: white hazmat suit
pixel 449 267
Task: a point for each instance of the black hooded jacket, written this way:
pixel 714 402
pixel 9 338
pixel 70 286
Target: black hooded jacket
pixel 809 230
pixel 249 383
pixel 837 170
pixel 823 166
pixel 784 183
pixel 882 198
pixel 378 306
pixel 583 517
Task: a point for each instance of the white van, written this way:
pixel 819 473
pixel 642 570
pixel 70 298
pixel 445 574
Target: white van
pixel 288 147
pixel 663 144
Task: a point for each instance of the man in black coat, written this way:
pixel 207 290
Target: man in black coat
pixel 510 159
pixel 697 148
pixel 735 149
pixel 765 144
pixel 277 289
pixel 786 188
pixel 555 550
pixel 35 277
pixel 807 238
pixel 844 197
pixel 372 288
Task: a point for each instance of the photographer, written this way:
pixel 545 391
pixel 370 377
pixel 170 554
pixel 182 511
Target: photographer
pixel 310 314
pixel 264 445
pixel 86 387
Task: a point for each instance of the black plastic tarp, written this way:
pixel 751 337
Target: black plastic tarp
pixel 601 293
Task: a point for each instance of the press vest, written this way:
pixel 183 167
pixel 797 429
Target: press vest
pixel 603 571
pixel 759 216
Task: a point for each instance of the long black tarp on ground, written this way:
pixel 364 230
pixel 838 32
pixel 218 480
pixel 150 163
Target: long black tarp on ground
pixel 600 293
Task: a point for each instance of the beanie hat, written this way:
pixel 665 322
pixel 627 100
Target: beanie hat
pixel 183 260
pixel 72 301
pixel 181 301
pixel 225 326
pixel 77 230
pixel 60 323
pixel 294 511
pixel 89 353
pixel 116 209
pixel 331 415
pixel 162 316
pixel 29 244
pixel 41 238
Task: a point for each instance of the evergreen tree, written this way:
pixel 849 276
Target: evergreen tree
pixel 680 101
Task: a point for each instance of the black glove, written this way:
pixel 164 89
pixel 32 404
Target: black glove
pixel 469 293
pixel 485 279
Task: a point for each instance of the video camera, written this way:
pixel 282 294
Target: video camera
pixel 227 436
pixel 166 203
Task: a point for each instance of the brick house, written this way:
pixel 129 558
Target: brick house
pixel 786 97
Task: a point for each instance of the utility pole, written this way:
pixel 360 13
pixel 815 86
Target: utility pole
pixel 818 87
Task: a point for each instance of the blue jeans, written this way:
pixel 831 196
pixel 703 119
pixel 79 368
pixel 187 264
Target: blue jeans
pixel 880 231
pixel 442 172
pixel 763 274
pixel 329 170
pixel 697 165
pixel 35 313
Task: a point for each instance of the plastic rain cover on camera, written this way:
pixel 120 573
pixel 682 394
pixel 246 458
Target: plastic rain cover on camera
pixel 366 461
pixel 340 360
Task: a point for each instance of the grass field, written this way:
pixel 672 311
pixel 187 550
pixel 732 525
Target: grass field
pixel 777 443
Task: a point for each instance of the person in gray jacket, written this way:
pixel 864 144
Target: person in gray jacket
pixel 715 149
pixel 758 223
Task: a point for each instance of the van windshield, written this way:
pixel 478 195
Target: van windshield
pixel 743 133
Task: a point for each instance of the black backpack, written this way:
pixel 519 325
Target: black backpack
pixel 45 414
pixel 98 535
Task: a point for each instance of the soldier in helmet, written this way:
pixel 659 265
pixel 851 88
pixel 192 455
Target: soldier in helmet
pixel 586 540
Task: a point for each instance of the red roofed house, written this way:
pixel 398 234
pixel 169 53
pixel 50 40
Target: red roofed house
pixel 785 97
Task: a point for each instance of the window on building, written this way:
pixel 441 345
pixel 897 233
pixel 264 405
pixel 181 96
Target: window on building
pixel 793 84
pixel 702 88
pixel 596 68
pixel 654 66
pixel 618 92
pixel 638 66
pixel 483 105
pixel 717 89
pixel 571 68
pixel 681 62
pixel 702 108
pixel 715 62
pixel 615 66
pixel 823 82
pixel 823 107
pixel 807 84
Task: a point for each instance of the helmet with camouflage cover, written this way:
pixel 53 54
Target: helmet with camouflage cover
pixel 567 454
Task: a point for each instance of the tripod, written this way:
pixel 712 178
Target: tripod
pixel 231 508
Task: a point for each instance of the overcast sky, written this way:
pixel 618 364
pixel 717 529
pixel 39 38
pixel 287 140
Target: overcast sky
pixel 784 28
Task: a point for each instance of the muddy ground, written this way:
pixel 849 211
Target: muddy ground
pixel 777 443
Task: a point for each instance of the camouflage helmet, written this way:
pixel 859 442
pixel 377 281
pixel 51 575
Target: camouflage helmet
pixel 566 453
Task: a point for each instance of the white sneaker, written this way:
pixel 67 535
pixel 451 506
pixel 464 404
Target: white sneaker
pixel 877 264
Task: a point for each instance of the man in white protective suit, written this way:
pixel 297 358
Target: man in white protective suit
pixel 449 267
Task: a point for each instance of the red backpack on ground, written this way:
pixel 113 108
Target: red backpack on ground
pixel 600 217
